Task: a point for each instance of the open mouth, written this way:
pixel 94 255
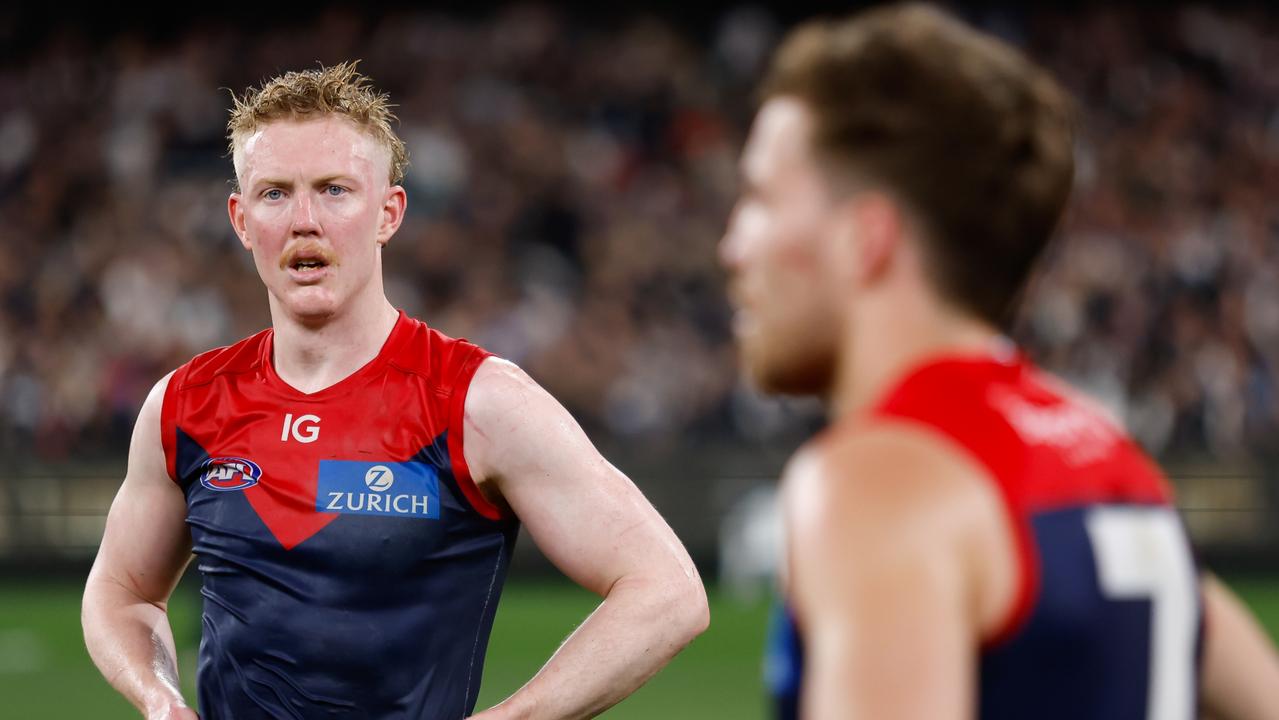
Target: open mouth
pixel 306 260
pixel 308 264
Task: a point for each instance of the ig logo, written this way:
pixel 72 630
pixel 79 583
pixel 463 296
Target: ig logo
pixel 379 478
pixel 305 429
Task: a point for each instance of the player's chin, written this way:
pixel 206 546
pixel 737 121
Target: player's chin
pixel 759 370
pixel 311 304
pixel 777 373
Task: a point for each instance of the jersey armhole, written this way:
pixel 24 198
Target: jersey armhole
pixel 169 424
pixel 457 457
pixel 1026 568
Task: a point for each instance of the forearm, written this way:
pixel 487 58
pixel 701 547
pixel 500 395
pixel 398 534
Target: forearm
pixel 638 628
pixel 131 642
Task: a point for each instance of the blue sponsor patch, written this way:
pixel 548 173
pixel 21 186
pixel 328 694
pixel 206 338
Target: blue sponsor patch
pixel 408 489
pixel 225 474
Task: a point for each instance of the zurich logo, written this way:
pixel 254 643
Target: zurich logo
pixel 225 474
pixel 379 478
pixel 355 487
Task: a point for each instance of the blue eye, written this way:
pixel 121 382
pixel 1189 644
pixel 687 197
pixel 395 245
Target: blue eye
pixel 335 190
pixel 273 194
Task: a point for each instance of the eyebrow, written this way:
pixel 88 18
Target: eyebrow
pixel 326 180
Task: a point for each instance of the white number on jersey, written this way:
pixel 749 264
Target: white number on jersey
pixel 1141 553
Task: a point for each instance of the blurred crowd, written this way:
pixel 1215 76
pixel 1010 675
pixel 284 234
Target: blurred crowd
pixel 569 180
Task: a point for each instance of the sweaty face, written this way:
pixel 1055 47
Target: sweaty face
pixel 313 210
pixel 787 310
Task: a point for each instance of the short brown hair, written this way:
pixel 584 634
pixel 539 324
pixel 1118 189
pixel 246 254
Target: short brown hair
pixel 974 138
pixel 337 90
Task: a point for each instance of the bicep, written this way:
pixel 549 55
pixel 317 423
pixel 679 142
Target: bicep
pixel 586 516
pixel 146 543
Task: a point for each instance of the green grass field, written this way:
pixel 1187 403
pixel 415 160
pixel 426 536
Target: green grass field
pixel 45 673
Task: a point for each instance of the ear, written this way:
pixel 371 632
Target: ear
pixel 235 208
pixel 876 226
pixel 393 206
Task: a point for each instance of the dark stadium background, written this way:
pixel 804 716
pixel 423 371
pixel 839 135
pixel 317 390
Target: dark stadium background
pixel 572 170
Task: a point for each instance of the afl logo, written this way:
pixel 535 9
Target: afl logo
pixel 230 473
pixel 379 478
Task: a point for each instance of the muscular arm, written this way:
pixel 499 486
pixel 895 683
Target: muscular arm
pixel 143 552
pixel 596 527
pixel 1240 679
pixel 890 539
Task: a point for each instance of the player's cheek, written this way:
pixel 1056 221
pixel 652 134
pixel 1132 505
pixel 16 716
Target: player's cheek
pixel 265 212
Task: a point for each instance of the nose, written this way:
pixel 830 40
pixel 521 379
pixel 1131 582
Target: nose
pixel 304 219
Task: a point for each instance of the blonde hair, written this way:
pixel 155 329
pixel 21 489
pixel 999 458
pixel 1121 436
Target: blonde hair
pixel 301 95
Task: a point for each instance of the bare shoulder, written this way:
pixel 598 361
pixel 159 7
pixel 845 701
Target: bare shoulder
pixel 155 396
pixel 495 369
pixel 509 423
pixel 146 449
pixel 890 477
pixel 498 388
pixel 894 493
pixel 504 404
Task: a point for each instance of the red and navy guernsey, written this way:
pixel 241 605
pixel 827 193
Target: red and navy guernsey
pixel 350 567
pixel 1107 619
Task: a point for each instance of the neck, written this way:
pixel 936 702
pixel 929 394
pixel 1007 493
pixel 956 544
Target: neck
pixel 888 336
pixel 311 356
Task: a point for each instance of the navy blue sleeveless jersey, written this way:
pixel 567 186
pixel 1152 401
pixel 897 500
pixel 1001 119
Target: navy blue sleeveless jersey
pixel 1107 621
pixel 350 567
